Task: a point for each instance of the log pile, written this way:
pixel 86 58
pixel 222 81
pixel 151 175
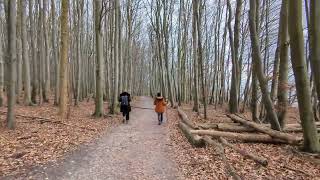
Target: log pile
pixel 237 129
pixel 199 137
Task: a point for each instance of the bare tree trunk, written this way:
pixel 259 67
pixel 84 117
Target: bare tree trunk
pixel 284 58
pixel 12 57
pixel 311 139
pixel 99 60
pixel 195 55
pixel 233 102
pixel 45 60
pixel 200 61
pixel 113 108
pixel 19 54
pixel 25 55
pixel 33 55
pixel 1 71
pixel 256 56
pixel 64 58
pixel 315 44
pixel 78 53
pixel 54 52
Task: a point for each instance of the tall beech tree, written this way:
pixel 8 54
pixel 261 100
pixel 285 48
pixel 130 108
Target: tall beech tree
pixel 311 140
pixel 64 48
pixel 12 61
pixel 256 57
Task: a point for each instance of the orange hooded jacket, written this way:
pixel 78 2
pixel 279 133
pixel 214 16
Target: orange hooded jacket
pixel 160 104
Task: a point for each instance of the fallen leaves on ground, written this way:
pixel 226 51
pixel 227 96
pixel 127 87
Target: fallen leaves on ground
pixel 285 162
pixel 35 141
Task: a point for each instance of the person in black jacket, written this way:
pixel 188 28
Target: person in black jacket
pixel 125 107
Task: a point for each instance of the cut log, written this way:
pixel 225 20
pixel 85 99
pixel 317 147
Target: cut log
pixel 259 138
pixel 195 140
pixel 219 148
pixel 275 134
pixel 29 117
pixel 215 125
pixel 186 120
pixel 234 128
pixel 244 153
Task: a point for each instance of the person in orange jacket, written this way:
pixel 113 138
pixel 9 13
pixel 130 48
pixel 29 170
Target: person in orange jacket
pixel 160 104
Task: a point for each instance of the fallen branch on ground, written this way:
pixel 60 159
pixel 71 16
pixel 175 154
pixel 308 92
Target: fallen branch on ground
pixel 246 154
pixel 215 125
pixel 30 117
pixel 275 134
pixel 260 138
pixel 219 148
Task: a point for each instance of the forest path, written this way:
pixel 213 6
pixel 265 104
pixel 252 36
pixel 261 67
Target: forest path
pixel 137 150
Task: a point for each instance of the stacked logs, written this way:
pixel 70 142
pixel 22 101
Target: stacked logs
pixel 216 134
pixel 239 129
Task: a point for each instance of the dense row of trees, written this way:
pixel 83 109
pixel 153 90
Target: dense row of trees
pixel 206 52
pixel 69 49
pixel 238 52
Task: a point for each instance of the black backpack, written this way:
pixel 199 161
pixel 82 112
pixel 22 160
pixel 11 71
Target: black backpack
pixel 124 100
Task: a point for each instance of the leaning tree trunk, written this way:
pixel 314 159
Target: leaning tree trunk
pixel 284 58
pixel 256 57
pixel 315 43
pixel 311 139
pixel 12 57
pixel 25 55
pixel 99 60
pixel 64 58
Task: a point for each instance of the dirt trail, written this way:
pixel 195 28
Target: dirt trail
pixel 138 150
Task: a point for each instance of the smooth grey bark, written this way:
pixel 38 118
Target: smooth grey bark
pixel 19 53
pixel 99 60
pixel 33 55
pixel 45 60
pixel 256 56
pixel 310 135
pixel 12 61
pixel 315 44
pixel 195 55
pixel 113 108
pixel 1 71
pixel 284 58
pixel 233 102
pixel 54 52
pixel 25 54
pixel 64 67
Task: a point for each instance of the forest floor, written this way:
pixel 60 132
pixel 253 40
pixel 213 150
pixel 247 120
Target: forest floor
pixel 285 161
pixel 42 137
pixel 140 149
pixel 86 148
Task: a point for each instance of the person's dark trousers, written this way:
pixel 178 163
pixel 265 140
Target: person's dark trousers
pixel 160 117
pixel 125 112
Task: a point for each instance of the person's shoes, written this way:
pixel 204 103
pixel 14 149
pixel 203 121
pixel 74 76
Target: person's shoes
pixel 159 123
pixel 124 120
